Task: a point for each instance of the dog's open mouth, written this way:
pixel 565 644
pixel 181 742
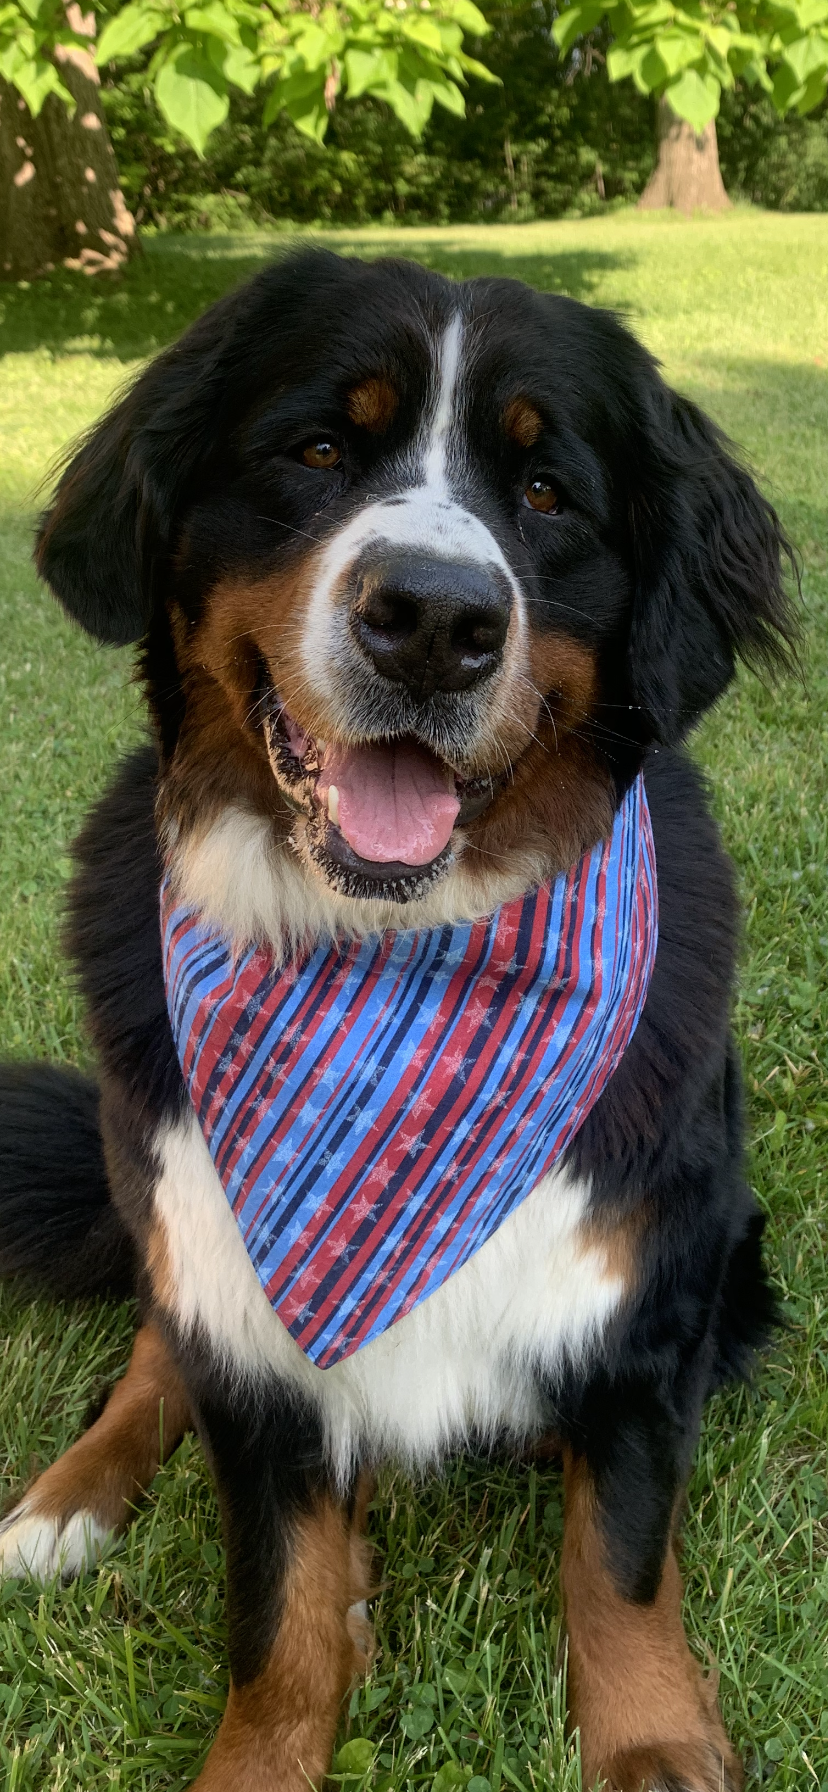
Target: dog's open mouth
pixel 381 814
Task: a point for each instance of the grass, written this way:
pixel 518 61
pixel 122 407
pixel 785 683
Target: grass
pixel 118 1680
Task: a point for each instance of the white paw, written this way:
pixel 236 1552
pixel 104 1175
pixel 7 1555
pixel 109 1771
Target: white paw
pixel 33 1544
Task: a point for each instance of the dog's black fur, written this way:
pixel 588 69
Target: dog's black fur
pixel 668 566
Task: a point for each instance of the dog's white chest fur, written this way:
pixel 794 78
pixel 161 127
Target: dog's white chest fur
pixel 466 1361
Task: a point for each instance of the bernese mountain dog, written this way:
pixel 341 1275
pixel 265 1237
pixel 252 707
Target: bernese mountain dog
pixel 407 944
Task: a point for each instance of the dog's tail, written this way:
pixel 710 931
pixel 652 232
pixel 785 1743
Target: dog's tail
pixel 59 1231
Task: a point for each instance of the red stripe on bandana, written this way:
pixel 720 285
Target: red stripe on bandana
pixel 377 1109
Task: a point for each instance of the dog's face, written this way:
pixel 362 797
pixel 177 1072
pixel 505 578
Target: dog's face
pixel 423 568
pixel 402 575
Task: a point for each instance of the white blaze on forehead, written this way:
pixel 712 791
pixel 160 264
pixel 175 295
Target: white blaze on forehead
pixel 445 409
pixel 423 514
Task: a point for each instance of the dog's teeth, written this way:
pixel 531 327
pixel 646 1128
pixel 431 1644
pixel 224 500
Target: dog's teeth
pixel 333 805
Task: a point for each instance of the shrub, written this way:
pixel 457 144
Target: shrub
pixel 780 163
pixel 555 138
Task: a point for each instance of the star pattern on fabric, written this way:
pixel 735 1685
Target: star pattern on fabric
pixel 413 1143
pixel 364 1167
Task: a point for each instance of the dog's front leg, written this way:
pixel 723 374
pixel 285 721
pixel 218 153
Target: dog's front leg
pixel 648 1718
pixel 297 1577
pixel 92 1490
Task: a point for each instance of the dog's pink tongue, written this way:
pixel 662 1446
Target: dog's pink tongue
pixel 395 801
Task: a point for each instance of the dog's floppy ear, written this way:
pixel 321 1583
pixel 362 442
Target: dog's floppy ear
pixel 107 533
pixel 710 557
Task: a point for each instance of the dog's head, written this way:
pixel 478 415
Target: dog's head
pixel 421 568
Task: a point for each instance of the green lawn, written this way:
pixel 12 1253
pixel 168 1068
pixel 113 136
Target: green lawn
pixel 118 1680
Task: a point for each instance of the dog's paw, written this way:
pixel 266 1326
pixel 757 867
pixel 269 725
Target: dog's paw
pixel 37 1545
pixel 674 1767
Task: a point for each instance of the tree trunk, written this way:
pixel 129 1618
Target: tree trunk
pixel 60 196
pixel 687 174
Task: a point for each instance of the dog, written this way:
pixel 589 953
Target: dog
pixel 431 581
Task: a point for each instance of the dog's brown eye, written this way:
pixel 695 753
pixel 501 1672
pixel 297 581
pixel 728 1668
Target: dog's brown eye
pixel 540 496
pixel 321 454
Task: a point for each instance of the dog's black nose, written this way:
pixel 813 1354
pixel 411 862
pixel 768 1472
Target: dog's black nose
pixel 433 625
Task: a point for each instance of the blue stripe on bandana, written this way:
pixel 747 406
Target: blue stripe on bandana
pixel 377 1108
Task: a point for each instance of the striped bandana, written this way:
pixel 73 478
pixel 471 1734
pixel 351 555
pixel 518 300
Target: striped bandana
pixel 377 1109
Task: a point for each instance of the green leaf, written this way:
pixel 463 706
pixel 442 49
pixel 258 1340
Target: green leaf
pixel 677 50
pixel 423 30
pixel 9 59
pixel 695 97
pixel 355 1756
pixel 312 123
pixel 623 61
pixel 316 45
pixel 33 78
pixel 298 84
pixel 813 92
pixel 652 72
pixel 301 94
pixel 367 69
pixel 214 19
pixel 469 17
pixel 414 66
pixel 471 66
pixel 575 22
pixel 451 1777
pixel 806 56
pixel 811 12
pixel 412 109
pixel 130 30
pixel 785 88
pixel 242 69
pixel 720 39
pixel 646 19
pixel 755 73
pixel 192 95
pixel 417 1722
pixel 448 95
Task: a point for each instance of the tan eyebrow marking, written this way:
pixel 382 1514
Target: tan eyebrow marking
pixel 373 404
pixel 522 423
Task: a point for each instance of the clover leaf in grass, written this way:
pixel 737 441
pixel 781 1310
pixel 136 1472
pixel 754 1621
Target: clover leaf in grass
pixel 355 1757
pixel 417 1722
pixel 451 1777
